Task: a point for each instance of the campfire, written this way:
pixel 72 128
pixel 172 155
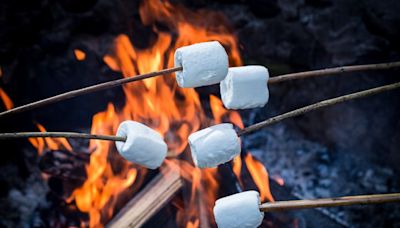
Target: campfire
pixel 102 188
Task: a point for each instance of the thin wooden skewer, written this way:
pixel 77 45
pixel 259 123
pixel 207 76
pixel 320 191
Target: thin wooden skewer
pixel 86 90
pixel 330 71
pixel 18 135
pixel 330 202
pixel 317 106
pixel 246 130
pixel 60 135
pixel 111 84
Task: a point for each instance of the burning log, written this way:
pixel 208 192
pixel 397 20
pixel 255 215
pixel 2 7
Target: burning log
pixel 115 83
pixel 151 199
pixel 244 209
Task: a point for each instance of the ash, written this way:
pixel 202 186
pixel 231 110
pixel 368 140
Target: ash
pixel 348 149
pixel 24 201
pixel 312 170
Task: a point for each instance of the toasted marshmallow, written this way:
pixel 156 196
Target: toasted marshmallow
pixel 245 87
pixel 143 145
pixel 203 64
pixel 214 145
pixel 239 210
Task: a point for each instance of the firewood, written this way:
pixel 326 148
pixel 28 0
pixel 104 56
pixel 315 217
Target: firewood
pixel 150 200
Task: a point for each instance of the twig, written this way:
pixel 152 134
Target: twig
pixel 330 202
pixel 18 135
pixel 330 71
pixel 111 84
pixel 60 135
pixel 86 90
pixel 317 106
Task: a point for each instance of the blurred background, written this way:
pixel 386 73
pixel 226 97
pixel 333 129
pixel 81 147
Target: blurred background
pixel 49 47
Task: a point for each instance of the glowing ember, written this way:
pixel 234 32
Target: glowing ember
pixel 278 179
pixel 79 54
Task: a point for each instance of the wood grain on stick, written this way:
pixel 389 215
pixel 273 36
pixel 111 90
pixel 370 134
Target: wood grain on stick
pixel 317 106
pixel 330 202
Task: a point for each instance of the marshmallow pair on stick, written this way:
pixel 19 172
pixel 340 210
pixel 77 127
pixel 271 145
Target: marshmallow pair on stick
pixel 207 63
pixel 210 147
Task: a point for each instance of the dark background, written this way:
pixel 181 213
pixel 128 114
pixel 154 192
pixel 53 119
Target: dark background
pixel 351 148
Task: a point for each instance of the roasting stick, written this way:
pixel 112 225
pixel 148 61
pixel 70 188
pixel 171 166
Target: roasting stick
pixel 330 202
pixel 60 135
pixel 115 83
pixel 86 90
pixel 241 132
pixel 330 71
pixel 246 206
pixel 134 141
pixel 317 106
pixel 219 144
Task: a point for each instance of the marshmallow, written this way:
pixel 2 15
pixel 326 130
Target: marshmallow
pixel 143 145
pixel 214 145
pixel 245 87
pixel 203 64
pixel 239 210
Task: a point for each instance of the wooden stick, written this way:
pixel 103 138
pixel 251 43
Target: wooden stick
pixel 317 106
pixel 111 84
pixel 330 71
pixel 330 202
pixel 60 135
pixel 246 130
pixel 17 135
pixel 86 90
pixel 150 200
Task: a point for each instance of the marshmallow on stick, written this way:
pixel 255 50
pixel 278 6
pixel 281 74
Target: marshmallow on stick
pixel 214 145
pixel 203 64
pixel 239 210
pixel 143 145
pixel 245 87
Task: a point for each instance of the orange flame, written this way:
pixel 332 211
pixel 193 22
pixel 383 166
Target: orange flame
pixel 160 104
pixel 105 183
pixel 51 143
pixel 260 177
pixel 6 99
pixel 79 55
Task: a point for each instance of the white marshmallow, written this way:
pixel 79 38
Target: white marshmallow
pixel 239 210
pixel 245 87
pixel 143 145
pixel 214 145
pixel 203 64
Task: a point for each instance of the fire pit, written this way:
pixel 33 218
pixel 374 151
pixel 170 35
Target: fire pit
pixel 77 182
